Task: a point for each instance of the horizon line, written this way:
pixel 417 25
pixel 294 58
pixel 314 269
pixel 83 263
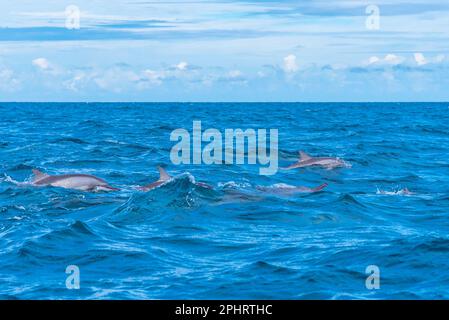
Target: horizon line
pixel 204 102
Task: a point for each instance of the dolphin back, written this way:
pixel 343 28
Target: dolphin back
pixel 38 175
pixel 83 182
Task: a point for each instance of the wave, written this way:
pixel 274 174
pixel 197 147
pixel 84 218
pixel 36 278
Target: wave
pixel 69 139
pixel 8 179
pixel 350 200
pixel 410 178
pixel 180 192
pixel 20 167
pixel 74 163
pixel 440 245
pixel 93 124
pixel 398 192
pixel 76 230
pixel 234 185
pixel 261 267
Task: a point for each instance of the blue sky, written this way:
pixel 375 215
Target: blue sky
pixel 264 50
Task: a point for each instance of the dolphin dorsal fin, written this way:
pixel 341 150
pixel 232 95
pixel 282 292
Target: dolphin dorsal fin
pixel 163 175
pixel 304 156
pixel 38 175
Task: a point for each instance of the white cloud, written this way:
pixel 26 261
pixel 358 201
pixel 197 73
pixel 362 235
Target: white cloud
pixel 233 74
pixel 390 59
pixel 420 59
pixel 373 60
pixel 81 79
pixel 73 83
pixel 182 65
pixel 393 59
pixel 41 63
pixel 290 64
pixel 8 81
pixel 232 77
pixel 116 79
pixel 155 77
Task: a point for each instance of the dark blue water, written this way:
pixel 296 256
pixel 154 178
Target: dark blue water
pixel 182 241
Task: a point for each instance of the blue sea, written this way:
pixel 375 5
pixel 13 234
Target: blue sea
pixel 180 241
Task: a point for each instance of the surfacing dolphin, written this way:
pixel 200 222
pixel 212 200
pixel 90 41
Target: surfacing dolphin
pixel 306 160
pixel 83 182
pixel 290 190
pixel 164 177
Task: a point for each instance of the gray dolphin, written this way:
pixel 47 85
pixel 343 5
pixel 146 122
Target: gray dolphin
pixel 83 182
pixel 289 190
pixel 165 177
pixel 306 160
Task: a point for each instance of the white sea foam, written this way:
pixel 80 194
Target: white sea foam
pixel 9 179
pixel 399 192
pixel 234 184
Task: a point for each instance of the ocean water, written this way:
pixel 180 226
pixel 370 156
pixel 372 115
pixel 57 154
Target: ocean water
pixel 180 241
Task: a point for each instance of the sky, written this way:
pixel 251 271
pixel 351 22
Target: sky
pixel 210 50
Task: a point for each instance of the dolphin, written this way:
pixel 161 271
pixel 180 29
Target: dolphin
pixel 235 196
pixel 164 177
pixel 289 190
pixel 306 160
pixel 83 182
